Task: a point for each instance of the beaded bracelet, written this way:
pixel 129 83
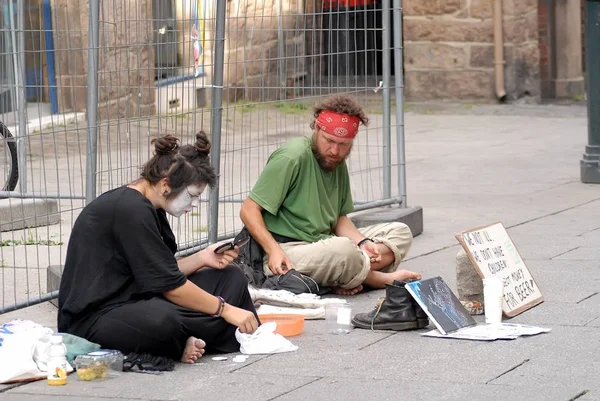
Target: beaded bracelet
pixel 221 306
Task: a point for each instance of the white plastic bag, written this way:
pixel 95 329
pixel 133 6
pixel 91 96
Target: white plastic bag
pixel 20 341
pixel 264 341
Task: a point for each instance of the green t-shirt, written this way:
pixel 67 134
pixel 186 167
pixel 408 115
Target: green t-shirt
pixel 301 200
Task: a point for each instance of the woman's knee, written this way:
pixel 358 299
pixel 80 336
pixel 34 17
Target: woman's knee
pixel 166 322
pixel 235 276
pixel 120 324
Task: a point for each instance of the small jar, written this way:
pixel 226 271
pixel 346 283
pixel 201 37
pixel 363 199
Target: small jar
pixel 338 317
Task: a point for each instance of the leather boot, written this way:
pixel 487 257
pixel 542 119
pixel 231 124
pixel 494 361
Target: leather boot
pixel 422 318
pixel 394 312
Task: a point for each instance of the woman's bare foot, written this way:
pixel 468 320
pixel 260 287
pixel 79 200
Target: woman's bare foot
pixel 347 291
pixel 405 275
pixel 194 349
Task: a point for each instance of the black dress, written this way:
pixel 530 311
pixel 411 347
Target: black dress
pixel 120 260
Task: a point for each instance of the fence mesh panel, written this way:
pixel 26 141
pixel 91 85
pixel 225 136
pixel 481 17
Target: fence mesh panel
pixel 157 61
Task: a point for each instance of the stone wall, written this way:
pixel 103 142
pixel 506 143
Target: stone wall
pixel 449 51
pixel 125 57
pixel 546 43
pixel 561 49
pixel 70 53
pixel 253 70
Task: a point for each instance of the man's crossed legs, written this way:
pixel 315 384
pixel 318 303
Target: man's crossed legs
pixel 338 263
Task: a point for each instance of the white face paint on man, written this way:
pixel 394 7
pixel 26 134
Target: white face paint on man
pixel 185 201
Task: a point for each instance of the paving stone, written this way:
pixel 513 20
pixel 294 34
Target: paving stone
pixel 182 384
pixel 581 253
pixel 430 389
pixel 60 397
pixel 569 362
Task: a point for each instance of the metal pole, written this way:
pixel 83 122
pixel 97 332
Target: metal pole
pixel 399 89
pixel 216 117
pixel 11 50
pixel 590 163
pixel 387 132
pixel 22 98
pixel 26 195
pixel 92 103
pixel 42 298
pixel 281 53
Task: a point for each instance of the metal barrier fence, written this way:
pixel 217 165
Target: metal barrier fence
pixel 86 85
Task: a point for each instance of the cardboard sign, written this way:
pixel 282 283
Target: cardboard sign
pixel 493 254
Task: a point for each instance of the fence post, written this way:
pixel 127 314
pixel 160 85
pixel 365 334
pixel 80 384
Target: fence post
pixel 19 54
pixel 386 67
pixel 281 52
pixel 399 90
pixel 590 163
pixel 215 120
pixel 92 103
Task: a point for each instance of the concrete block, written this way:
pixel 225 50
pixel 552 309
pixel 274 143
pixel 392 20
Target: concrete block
pixel 411 216
pixel 53 280
pixel 16 214
pixel 468 282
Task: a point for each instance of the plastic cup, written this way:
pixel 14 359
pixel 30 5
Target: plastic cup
pixel 339 318
pixel 493 292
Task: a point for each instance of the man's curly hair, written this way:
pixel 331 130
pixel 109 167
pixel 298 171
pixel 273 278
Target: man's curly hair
pixel 345 104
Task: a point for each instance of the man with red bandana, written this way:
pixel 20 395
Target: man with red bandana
pixel 297 210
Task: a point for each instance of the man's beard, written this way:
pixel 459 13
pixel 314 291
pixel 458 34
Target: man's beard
pixel 324 163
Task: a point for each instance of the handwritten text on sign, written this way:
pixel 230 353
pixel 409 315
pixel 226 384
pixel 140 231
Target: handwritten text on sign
pixel 496 256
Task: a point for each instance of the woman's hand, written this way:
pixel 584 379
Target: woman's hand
pixel 241 318
pixel 217 261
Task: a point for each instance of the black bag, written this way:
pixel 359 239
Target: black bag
pixel 250 261
pixel 292 281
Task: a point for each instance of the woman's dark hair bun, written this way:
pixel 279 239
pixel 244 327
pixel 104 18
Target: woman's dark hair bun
pixel 166 144
pixel 202 144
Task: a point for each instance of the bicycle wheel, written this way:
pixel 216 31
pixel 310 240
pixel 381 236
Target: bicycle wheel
pixel 9 167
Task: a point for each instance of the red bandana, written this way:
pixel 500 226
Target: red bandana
pixel 337 124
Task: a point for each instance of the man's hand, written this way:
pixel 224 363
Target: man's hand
pixel 241 318
pixel 217 261
pixel 372 249
pixel 278 261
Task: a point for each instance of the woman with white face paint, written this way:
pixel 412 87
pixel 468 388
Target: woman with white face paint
pixel 122 286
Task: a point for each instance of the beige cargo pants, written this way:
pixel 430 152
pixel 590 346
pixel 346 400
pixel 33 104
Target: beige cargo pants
pixel 337 261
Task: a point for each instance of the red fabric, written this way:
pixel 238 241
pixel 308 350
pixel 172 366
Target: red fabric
pixel 338 124
pixel 345 3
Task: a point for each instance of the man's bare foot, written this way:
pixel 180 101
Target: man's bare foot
pixel 347 291
pixel 405 275
pixel 194 349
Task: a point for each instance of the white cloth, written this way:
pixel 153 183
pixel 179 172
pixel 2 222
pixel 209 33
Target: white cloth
pixel 264 341
pixel 311 306
pixel 23 345
pixel 287 298
pixel 308 313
